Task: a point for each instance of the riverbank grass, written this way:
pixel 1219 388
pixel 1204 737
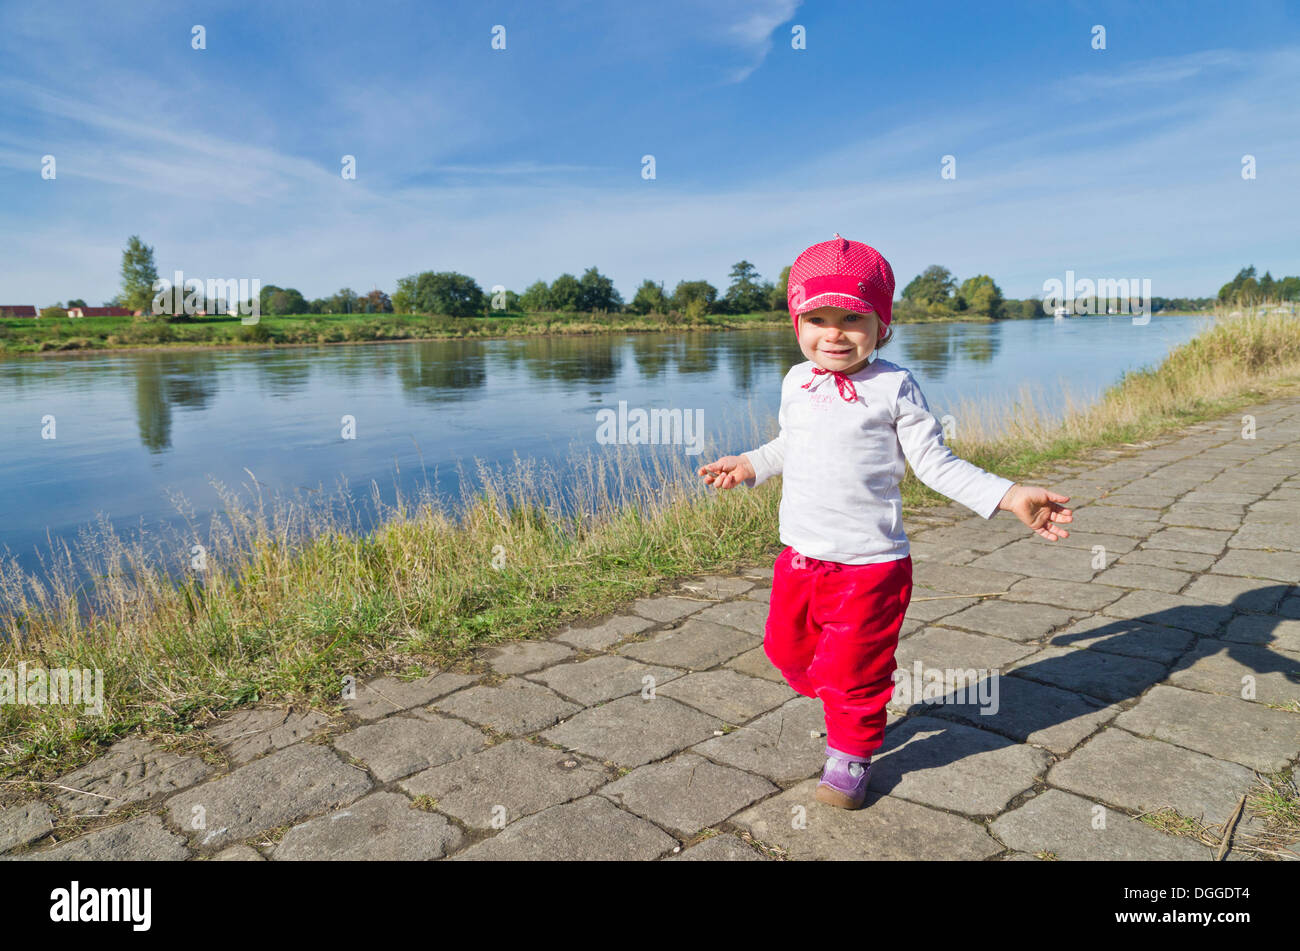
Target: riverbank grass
pixel 62 334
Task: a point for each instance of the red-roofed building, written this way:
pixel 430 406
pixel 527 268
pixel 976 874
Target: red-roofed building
pixel 17 310
pixel 101 312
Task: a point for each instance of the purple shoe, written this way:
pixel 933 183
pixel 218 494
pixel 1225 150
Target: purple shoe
pixel 844 780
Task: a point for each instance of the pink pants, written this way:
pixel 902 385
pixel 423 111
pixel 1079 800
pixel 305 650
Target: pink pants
pixel 832 630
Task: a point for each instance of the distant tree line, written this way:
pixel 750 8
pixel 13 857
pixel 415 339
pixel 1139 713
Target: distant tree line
pixel 934 293
pixel 1247 289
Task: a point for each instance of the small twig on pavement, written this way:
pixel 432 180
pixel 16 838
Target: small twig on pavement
pixel 1227 832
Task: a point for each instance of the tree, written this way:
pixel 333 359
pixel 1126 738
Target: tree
pixel 319 305
pixel 264 297
pixel 1232 291
pixel 981 296
pixel 597 292
pixel 282 301
pixel 377 302
pixel 778 296
pixel 1267 286
pixel 76 302
pixel 649 299
pixel 404 296
pixel 138 275
pixel 344 301
pixel 934 285
pixel 688 291
pixel 746 294
pixel 565 293
pixel 536 298
pixel 439 292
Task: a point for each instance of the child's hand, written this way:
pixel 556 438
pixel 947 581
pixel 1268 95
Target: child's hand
pixel 727 472
pixel 1038 508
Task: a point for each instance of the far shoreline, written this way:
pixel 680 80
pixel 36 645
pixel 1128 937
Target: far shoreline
pixel 542 330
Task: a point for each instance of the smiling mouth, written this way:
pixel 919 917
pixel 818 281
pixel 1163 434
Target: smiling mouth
pixel 839 353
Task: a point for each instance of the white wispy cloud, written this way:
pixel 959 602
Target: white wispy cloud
pixel 752 31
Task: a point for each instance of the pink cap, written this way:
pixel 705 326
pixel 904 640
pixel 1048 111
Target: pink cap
pixel 841 273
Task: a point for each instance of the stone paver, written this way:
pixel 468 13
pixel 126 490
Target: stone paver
pixel 379 698
pixel 1074 828
pixel 953 767
pixel 1232 669
pixel 143 839
pixel 239 853
pixel 716 586
pixel 1204 540
pixel 631 731
pixel 886 829
pixel 1074 595
pixel 603 678
pixel 400 745
pixel 600 636
pixel 381 827
pixel 687 793
pixel 755 663
pixel 787 744
pixel 745 615
pixel 1282 633
pixel 696 645
pixel 24 823
pixel 591 829
pixel 1029 712
pixel 669 608
pixel 1020 621
pixel 1170 610
pixel 505 782
pixel 527 656
pixel 515 706
pixel 1094 673
pixel 1144 775
pixel 727 694
pixel 720 848
pixel 938 648
pixel 1224 727
pixel 275 790
pixel 1268 565
pixel 131 771
pixel 1244 594
pixel 247 734
pixel 1132 638
pixel 1037 556
pixel 1047 694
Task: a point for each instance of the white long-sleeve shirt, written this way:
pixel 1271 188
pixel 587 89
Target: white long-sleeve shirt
pixel 842 463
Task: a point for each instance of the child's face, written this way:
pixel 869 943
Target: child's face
pixel 838 339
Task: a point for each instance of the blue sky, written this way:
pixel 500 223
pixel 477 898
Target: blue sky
pixel 521 164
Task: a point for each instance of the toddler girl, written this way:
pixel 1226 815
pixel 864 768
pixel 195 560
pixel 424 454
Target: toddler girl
pixel 848 426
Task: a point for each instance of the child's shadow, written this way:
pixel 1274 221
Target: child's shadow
pixel 1122 660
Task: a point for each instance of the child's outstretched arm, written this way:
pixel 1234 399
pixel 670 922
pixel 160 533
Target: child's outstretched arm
pixel 984 493
pixel 1038 508
pixel 752 468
